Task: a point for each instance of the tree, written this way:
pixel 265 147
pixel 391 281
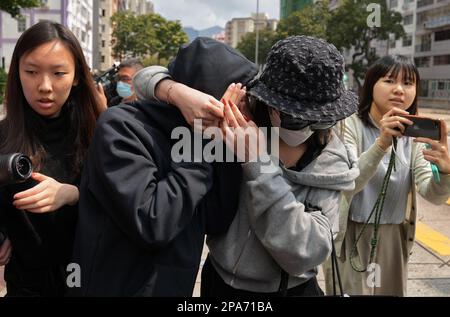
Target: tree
pixel 3 77
pixel 247 44
pixel 13 6
pixel 146 35
pixel 349 27
pixel 124 41
pixel 176 37
pixel 312 20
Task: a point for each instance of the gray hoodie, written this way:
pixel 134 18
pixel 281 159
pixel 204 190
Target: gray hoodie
pixel 272 229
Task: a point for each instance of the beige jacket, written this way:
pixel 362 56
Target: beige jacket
pixel 368 161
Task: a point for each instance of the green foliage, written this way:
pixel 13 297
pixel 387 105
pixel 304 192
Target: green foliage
pixel 13 6
pixel 151 60
pixel 3 77
pixel 146 35
pixel 348 29
pixel 248 43
pixel 312 20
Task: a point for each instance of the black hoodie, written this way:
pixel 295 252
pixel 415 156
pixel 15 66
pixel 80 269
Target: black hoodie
pixel 141 216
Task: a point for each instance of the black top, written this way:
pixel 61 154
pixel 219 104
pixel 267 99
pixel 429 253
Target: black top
pixel 143 216
pixel 42 243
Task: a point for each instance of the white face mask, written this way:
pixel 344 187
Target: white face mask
pixel 290 137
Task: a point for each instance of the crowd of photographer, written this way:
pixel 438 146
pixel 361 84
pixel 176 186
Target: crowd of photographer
pixel 106 192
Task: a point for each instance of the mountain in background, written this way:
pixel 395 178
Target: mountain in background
pixel 209 32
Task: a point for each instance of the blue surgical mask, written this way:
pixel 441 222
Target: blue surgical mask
pixel 124 89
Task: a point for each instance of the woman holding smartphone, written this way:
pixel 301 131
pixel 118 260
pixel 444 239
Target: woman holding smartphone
pixel 390 91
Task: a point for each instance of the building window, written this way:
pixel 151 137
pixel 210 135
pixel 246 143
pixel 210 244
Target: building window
pixel 441 60
pixel 408 19
pixel 422 3
pixel 392 43
pixel 103 43
pixel 83 36
pixel 407 41
pixel 440 89
pixel 21 24
pixel 423 61
pixel 423 92
pixel 393 3
pixel 103 12
pixel 442 35
pixel 103 58
pixel 102 27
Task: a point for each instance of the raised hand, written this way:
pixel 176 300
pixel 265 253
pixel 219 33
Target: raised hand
pixel 392 125
pixel 102 102
pixel 192 103
pixel 438 153
pixel 235 93
pixel 243 137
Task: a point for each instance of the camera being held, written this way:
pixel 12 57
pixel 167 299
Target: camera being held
pixel 117 82
pixel 14 168
pixel 109 81
pixel 423 127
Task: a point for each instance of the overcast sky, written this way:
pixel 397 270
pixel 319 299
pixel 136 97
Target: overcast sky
pixel 202 14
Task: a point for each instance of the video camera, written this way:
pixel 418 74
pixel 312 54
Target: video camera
pixel 109 81
pixel 14 168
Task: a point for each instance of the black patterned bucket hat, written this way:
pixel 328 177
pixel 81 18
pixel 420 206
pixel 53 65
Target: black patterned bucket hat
pixel 303 78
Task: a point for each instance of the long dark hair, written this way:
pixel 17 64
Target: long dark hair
pixel 391 64
pixel 18 133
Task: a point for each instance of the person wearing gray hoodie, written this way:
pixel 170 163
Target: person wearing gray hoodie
pixel 288 210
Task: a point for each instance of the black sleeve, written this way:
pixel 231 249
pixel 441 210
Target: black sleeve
pixel 150 208
pixel 220 205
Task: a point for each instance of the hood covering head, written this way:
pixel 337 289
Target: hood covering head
pixel 211 66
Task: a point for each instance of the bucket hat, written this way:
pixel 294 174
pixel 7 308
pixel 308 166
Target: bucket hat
pixel 303 78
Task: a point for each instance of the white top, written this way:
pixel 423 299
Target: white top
pixel 394 208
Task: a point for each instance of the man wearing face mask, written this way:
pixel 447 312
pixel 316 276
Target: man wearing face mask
pixel 124 86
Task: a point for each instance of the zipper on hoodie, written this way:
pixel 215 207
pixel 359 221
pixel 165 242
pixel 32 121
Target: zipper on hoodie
pixel 239 257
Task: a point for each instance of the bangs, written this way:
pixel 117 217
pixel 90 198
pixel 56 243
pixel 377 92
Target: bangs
pixel 409 72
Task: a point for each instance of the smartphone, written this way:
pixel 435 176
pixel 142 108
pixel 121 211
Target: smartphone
pixel 423 127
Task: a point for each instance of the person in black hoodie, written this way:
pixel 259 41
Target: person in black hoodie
pixel 143 216
pixel 51 110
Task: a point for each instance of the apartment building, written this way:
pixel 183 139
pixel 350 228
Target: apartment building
pixel 77 15
pixel 427 41
pixel 139 7
pixel 102 48
pixel 103 11
pixel 238 27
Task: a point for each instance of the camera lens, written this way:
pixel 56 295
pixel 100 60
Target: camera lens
pixel 23 167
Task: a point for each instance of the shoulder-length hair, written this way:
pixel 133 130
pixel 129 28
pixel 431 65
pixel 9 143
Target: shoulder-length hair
pixel 18 130
pixel 392 65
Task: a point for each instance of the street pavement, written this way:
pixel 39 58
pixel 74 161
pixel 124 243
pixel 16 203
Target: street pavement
pixel 429 265
pixel 428 271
